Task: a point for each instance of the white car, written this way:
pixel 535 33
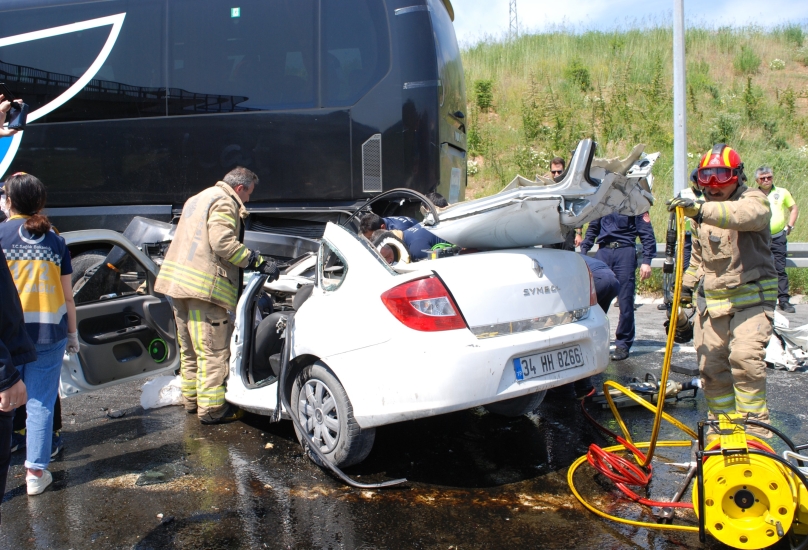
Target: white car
pixel 371 344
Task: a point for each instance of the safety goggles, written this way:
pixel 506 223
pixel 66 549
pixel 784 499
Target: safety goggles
pixel 716 175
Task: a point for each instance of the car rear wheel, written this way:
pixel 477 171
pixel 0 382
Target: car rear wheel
pixel 320 403
pixel 517 406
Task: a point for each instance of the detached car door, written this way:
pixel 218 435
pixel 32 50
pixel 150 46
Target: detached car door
pixel 126 330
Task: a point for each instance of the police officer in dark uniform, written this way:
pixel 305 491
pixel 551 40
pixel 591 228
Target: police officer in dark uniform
pixel 616 235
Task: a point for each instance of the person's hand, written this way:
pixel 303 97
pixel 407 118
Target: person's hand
pixel 14 397
pixel 690 208
pixel 72 342
pixel 264 267
pixel 5 105
pixel 645 271
pixel 578 239
pixel 788 229
pixel 686 296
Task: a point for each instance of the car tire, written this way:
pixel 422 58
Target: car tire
pixel 391 239
pixel 517 406
pixel 84 261
pixel 342 441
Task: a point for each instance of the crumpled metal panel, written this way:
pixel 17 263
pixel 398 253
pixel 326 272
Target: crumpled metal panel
pixel 529 215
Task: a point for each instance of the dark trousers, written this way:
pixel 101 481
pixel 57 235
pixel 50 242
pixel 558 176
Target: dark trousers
pixel 779 246
pixel 623 262
pixel 6 421
pixel 688 249
pixel 606 287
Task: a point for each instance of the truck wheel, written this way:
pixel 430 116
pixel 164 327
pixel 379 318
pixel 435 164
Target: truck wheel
pixel 517 406
pixel 84 261
pixel 320 403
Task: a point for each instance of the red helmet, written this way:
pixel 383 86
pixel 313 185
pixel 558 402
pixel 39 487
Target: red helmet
pixel 721 166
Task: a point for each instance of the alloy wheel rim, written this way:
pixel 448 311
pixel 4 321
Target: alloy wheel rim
pixel 318 414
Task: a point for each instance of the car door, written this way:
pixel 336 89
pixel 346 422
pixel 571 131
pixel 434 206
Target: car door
pixel 126 330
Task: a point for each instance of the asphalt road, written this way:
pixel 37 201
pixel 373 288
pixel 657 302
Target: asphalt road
pixel 475 480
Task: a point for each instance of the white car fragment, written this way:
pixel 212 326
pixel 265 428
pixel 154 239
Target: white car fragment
pixel 521 215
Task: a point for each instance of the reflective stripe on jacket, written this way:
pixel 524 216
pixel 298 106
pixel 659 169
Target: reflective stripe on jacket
pixel 732 255
pixel 204 258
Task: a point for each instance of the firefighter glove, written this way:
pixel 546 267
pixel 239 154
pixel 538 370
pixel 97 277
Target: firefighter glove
pixel 264 267
pixel 686 297
pixel 690 208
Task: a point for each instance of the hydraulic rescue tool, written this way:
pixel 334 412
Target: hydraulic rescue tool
pixel 745 495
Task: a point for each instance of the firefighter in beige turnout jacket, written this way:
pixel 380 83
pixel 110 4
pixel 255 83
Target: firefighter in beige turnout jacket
pixel 201 274
pixel 732 264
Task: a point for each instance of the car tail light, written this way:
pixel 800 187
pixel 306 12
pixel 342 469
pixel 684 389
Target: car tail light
pixel 424 304
pixel 593 296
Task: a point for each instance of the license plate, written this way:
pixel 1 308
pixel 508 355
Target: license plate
pixel 548 362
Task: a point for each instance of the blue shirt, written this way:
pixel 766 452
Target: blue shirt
pixel 419 240
pixel 398 223
pixel 37 265
pixel 617 228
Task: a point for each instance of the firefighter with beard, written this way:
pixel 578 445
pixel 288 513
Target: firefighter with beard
pixel 732 272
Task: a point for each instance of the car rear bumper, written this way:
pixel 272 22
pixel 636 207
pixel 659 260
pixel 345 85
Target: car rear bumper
pixel 425 374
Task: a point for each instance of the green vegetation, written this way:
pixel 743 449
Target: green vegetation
pixel 535 97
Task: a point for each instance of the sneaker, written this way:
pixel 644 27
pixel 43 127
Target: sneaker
pixel 662 307
pixel 231 414
pixel 788 308
pixel 619 354
pixel 17 441
pixel 57 444
pixel 38 484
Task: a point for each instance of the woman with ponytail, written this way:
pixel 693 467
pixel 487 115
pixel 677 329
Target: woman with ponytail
pixel 39 262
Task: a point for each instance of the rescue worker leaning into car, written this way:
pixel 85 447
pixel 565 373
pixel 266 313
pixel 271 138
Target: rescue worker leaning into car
pixel 735 282
pixel 201 273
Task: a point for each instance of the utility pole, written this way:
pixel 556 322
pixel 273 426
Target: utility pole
pixel 513 30
pixel 680 173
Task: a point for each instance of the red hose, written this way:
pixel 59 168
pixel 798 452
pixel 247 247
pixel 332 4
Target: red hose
pixel 622 471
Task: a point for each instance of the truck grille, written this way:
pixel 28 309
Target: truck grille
pixel 372 164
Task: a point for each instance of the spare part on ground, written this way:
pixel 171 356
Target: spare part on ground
pixel 788 347
pixel 525 214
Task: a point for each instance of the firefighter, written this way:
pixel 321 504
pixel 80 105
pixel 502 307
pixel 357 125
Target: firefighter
pixel 732 271
pixel 201 273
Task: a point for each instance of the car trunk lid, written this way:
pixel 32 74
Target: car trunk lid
pixel 511 291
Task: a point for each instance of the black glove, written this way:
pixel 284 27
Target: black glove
pixel 264 267
pixel 690 208
pixel 686 297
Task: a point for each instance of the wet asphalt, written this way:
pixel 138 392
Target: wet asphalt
pixel 475 480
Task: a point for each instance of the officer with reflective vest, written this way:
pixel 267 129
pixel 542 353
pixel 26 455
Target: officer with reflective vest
pixel 783 205
pixel 616 235
pixel 202 274
pixel 732 272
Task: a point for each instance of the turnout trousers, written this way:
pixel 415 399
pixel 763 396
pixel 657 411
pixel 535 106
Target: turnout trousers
pixel 623 262
pixel 730 352
pixel 779 249
pixel 203 333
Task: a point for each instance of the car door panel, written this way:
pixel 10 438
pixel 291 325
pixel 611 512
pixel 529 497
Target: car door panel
pixel 126 330
pixel 117 338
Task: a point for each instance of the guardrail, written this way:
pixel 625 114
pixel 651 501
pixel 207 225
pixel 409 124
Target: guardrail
pixel 797 255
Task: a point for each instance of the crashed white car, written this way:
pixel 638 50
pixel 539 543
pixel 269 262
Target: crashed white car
pixel 369 344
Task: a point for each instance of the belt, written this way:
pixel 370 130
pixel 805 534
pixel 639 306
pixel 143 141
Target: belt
pixel 778 234
pixel 614 244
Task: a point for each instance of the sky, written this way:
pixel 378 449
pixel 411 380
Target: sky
pixel 474 19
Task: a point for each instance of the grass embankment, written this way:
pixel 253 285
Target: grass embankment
pixel 533 98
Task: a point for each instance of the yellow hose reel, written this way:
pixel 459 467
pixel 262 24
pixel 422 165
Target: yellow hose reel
pixel 749 500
